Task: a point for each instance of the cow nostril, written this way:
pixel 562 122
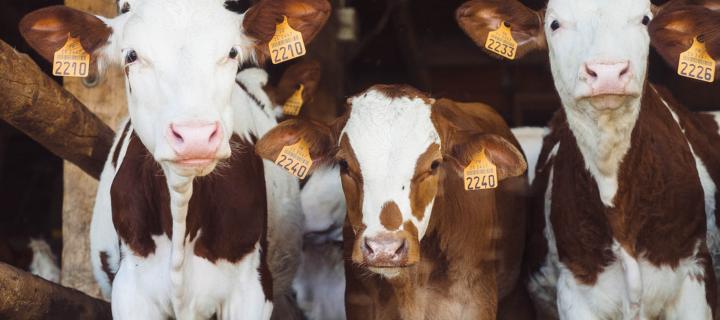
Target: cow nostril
pixel 367 247
pixel 177 135
pixel 590 71
pixel 401 249
pixel 625 71
pixel 213 134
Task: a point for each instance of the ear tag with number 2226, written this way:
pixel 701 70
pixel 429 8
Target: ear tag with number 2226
pixel 286 44
pixel 294 103
pixel 295 159
pixel 501 42
pixel 696 63
pixel 480 174
pixel 71 60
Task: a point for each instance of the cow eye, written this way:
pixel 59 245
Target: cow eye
pixel 646 20
pixel 555 25
pixel 343 165
pixel 130 57
pixel 233 53
pixel 435 164
pixel 125 8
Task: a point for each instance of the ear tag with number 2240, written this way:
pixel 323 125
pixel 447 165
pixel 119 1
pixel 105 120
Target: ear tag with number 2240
pixel 501 42
pixel 286 44
pixel 71 60
pixel 295 159
pixel 480 174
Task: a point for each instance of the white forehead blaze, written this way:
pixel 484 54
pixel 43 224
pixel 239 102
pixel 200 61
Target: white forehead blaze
pixel 388 136
pixel 183 72
pixel 596 31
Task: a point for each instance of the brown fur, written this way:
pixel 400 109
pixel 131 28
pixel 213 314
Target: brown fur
pixel 106 266
pixel 673 30
pixel 231 225
pixel 424 187
pixel 46 30
pixel 390 216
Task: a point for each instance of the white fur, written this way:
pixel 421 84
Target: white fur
pixel 531 140
pixel 44 262
pixel 323 201
pixel 388 136
pixel 254 80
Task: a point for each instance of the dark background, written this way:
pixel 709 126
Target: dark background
pixel 419 44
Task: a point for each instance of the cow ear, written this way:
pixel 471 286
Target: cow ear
pixel 306 73
pixel 508 160
pixel 47 30
pixel 479 17
pixel 318 137
pixel 673 30
pixel 306 16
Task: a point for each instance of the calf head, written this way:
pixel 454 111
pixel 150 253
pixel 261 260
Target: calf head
pixel 395 146
pixel 180 59
pixel 598 48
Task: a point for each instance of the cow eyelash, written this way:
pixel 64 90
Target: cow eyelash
pixel 554 25
pixel 233 54
pixel 646 20
pixel 130 57
pixel 434 165
pixel 343 165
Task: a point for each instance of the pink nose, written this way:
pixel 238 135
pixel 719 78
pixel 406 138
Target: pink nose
pixel 195 141
pixel 607 78
pixel 385 250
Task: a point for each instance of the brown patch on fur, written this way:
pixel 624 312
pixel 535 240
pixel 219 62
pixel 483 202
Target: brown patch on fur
pixel 123 136
pixel 424 185
pixel 390 216
pixel 222 227
pixel 47 29
pixel 106 266
pixel 477 18
pixel 398 91
pixel 352 184
pixel 409 226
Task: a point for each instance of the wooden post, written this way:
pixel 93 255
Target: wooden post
pixel 107 100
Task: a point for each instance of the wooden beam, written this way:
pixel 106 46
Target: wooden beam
pixel 42 109
pixel 25 296
pixel 107 100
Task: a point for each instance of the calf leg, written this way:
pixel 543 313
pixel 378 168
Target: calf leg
pixel 137 297
pixel 695 295
pixel 571 302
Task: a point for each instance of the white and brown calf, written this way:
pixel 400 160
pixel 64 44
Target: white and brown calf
pixel 417 245
pixel 625 191
pixel 188 222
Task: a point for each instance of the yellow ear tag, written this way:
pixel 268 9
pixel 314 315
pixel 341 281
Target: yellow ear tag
pixel 696 63
pixel 501 42
pixel 294 103
pixel 295 159
pixel 286 44
pixel 480 174
pixel 71 60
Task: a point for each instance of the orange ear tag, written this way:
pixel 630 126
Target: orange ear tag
pixel 286 44
pixel 295 159
pixel 696 63
pixel 501 42
pixel 71 60
pixel 480 174
pixel 294 103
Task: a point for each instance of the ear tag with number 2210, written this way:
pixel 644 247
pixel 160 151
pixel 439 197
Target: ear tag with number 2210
pixel 286 44
pixel 71 60
pixel 501 42
pixel 696 63
pixel 295 159
pixel 480 174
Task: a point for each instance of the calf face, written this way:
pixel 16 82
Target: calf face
pixel 598 49
pixel 394 146
pixel 180 59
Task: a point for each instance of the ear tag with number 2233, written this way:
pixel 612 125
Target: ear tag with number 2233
pixel 501 42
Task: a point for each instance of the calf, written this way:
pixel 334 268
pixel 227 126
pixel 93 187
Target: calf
pixel 625 192
pixel 188 222
pixel 418 246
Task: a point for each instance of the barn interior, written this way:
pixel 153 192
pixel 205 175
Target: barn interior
pixel 366 42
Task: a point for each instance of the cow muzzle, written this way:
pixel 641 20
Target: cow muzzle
pixel 387 250
pixel 195 144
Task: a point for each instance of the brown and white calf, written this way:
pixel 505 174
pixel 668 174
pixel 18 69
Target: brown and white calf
pixel 417 245
pixel 625 191
pixel 188 222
